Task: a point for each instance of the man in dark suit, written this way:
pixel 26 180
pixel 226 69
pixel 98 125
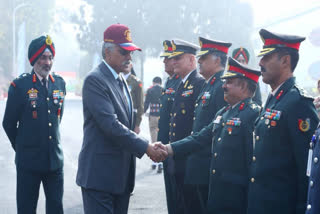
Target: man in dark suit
pixel 212 61
pixel 182 113
pixel 166 102
pixel 230 138
pixel 106 170
pixel 32 117
pixel 278 182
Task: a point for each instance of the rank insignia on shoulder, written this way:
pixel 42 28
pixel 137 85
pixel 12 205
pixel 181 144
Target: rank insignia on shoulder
pixel 13 84
pixel 217 120
pixel 304 125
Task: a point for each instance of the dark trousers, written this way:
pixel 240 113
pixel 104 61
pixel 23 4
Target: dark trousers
pixel 28 185
pixel 170 184
pixel 97 202
pixel 196 197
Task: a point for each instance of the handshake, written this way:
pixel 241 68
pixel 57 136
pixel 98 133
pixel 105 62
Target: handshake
pixel 158 152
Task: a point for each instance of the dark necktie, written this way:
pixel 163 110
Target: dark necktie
pixel 120 83
pixel 44 84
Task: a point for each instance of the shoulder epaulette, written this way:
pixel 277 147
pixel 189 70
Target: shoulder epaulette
pixel 303 92
pixel 255 106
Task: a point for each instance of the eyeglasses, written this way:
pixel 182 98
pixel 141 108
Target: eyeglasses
pixel 124 52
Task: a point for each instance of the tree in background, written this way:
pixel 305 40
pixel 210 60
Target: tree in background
pixel 37 15
pixel 153 21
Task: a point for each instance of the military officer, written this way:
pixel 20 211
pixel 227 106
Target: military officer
pixel 313 170
pixel 184 64
pixel 230 137
pixel 278 182
pixel 31 121
pixel 136 92
pixel 166 101
pixel 242 55
pixel 153 101
pixel 212 61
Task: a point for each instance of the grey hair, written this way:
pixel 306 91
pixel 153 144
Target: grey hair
pixel 223 58
pixel 107 45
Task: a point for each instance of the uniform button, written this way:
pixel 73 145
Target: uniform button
pixel 215 154
pixel 194 118
pixel 252 180
pixel 309 207
pixel 50 124
pixel 50 137
pixel 269 127
pixel 214 171
pixel 170 124
pixel 48 98
pixel 223 124
pixel 168 98
pixel 261 118
pixel 49 111
pixel 170 114
pixel 196 105
pixel 173 134
pixel 160 105
pixel 191 132
pixel 311 183
pixel 174 125
pixel 254 158
pixel 315 160
pixel 169 133
pixel 174 114
pixel 257 137
pixel 219 139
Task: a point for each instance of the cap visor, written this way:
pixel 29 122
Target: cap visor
pixel 201 53
pixel 229 75
pixel 266 51
pixel 174 54
pixel 130 47
pixel 165 54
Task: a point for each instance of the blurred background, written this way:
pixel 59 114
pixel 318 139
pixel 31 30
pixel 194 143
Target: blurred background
pixel 77 26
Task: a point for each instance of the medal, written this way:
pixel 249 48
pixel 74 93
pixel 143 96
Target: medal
pixel 273 123
pixel 55 101
pixel 267 121
pixel 183 111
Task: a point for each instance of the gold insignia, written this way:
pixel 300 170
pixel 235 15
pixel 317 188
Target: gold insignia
pixel 127 34
pixel 304 125
pixel 165 46
pixel 190 86
pixel 48 40
pixel 174 47
pixel 265 51
pixel 200 42
pixel 32 90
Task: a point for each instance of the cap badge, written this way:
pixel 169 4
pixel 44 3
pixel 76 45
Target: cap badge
pixel 165 46
pixel 48 40
pixel 127 34
pixel 174 47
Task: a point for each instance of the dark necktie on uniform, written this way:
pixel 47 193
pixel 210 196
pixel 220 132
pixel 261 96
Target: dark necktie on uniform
pixel 44 85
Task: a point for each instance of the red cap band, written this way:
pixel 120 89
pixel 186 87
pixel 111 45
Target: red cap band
pixel 218 47
pixel 247 74
pixel 277 42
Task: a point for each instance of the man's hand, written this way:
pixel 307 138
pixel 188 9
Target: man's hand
pixel 157 153
pixel 137 129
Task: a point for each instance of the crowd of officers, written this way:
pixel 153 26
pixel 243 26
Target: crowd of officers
pixel 227 152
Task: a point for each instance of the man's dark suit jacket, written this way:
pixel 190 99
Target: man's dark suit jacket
pixel 107 158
